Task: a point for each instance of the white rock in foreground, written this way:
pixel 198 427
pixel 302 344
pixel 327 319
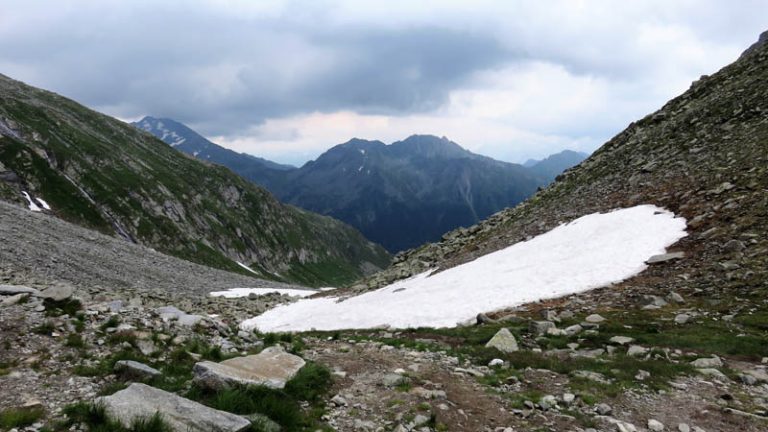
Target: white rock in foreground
pixel 183 415
pixel 590 252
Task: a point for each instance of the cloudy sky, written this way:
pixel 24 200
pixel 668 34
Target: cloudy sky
pixel 288 79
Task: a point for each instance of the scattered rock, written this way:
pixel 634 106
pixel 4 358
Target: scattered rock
pixel 621 340
pixel 655 425
pixel 712 362
pixel 603 409
pixel 662 258
pixel 594 319
pixel 57 293
pixel 135 369
pixel 540 328
pixel 17 289
pixel 637 351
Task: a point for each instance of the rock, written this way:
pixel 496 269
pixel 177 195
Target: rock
pixel 675 298
pixel 621 340
pixel 14 299
pixel 146 347
pixel 495 362
pixel 548 402
pixel 17 289
pixel 263 423
pixel 170 313
pixel 573 330
pixel 503 341
pixel 625 427
pixel 637 351
pixel 420 420
pixel 484 319
pixel 568 398
pixel 662 258
pixel 393 380
pixel 682 318
pixel 712 372
pixel 603 409
pixel 759 374
pixel 135 369
pixel 682 427
pixel 272 367
pixel 339 401
pixel 748 379
pixel 592 376
pixel 539 328
pixel 142 401
pixel 712 362
pixel 57 292
pixel 642 375
pixel 594 319
pixel 655 425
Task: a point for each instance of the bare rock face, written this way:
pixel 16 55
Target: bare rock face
pixel 183 415
pixel 272 367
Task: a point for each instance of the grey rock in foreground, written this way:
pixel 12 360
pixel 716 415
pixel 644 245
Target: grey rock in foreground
pixel 134 368
pixel 17 289
pixel 272 367
pixel 183 415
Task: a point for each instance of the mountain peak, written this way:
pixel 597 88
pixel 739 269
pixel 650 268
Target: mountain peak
pixel 430 146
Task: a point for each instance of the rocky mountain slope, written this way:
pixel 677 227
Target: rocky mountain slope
pixel 106 175
pixel 399 195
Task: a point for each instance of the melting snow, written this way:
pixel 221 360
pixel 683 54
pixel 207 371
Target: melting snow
pixel 32 206
pixel 244 292
pixel 43 203
pixel 593 251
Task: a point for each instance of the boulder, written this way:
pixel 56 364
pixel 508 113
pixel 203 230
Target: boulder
pixel 503 341
pixel 621 340
pixel 713 362
pixel 272 367
pixel 57 292
pixel 539 328
pixel 594 319
pixel 182 415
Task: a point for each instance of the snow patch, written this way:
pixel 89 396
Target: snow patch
pixel 593 251
pixel 246 267
pixel 362 152
pixel 43 203
pixel 244 292
pixel 32 206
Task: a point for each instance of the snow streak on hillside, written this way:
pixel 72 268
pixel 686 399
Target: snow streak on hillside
pixel 590 252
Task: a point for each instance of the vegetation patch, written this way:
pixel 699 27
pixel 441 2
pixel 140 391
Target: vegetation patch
pixel 18 417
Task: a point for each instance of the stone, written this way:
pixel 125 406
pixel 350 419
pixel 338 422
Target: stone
pixel 621 340
pixel 642 375
pixel 662 258
pixel 146 347
pixel 171 313
pixel 682 427
pixel 339 401
pixel 392 380
pixel 14 299
pixel 495 362
pixel 57 292
pixel 759 374
pixel 655 425
pixel 539 328
pixel 637 351
pixel 594 319
pixel 142 401
pixel 747 379
pixel 603 409
pixel 712 362
pixel 484 319
pixel 420 420
pixel 682 318
pixel 712 372
pixel 548 402
pixel 503 341
pixel 625 427
pixel 592 376
pixel 272 367
pixel 135 369
pixel 573 330
pixel 568 398
pixel 675 298
pixel 17 289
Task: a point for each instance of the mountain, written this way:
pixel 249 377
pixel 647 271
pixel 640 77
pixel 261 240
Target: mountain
pixel 177 135
pixel 553 165
pixel 106 175
pixel 407 193
pixel 703 155
pixel 399 195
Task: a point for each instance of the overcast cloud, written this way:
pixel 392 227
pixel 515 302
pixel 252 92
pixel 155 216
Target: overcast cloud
pixel 288 79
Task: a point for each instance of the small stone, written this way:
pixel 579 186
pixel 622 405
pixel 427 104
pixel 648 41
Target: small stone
pixel 420 420
pixel 392 380
pixel 548 402
pixel 603 409
pixel 594 319
pixel 339 401
pixel 539 328
pixel 682 318
pixel 662 258
pixel 495 362
pixel 57 292
pixel 568 398
pixel 712 362
pixel 135 369
pixel 682 427
pixel 621 340
pixel 655 425
pixel 573 330
pixel 675 298
pixel 642 375
pixel 637 351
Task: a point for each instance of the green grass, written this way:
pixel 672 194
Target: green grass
pixel 112 322
pixel 69 307
pixel 74 340
pixel 16 417
pixel 46 328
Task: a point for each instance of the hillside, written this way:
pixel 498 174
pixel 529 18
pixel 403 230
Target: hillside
pixel 106 175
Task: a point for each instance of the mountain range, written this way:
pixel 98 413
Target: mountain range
pixel 101 173
pixel 399 195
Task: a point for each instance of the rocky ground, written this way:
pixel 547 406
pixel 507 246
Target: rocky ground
pixel 601 361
